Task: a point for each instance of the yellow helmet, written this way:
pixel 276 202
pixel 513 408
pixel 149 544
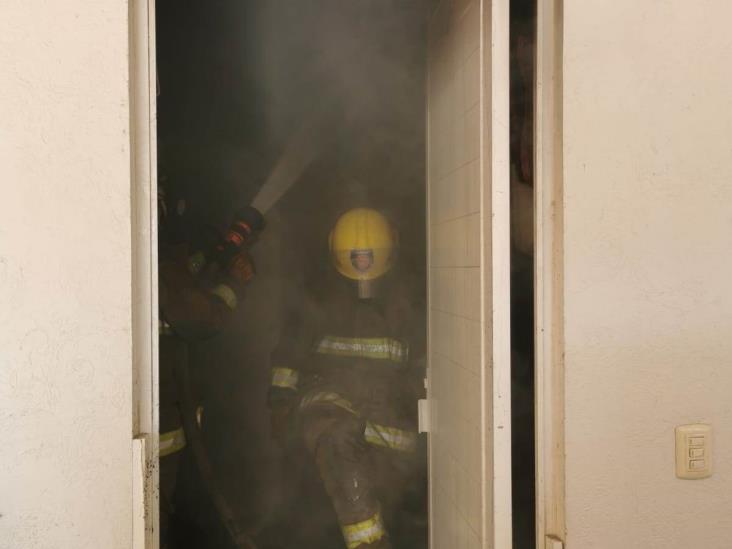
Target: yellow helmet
pixel 362 244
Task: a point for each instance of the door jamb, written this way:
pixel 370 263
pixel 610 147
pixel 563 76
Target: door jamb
pixel 549 315
pixel 496 277
pixel 143 192
pixel 549 278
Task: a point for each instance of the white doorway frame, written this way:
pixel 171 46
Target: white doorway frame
pixel 495 183
pixel 549 279
pixel 550 479
pixel 143 191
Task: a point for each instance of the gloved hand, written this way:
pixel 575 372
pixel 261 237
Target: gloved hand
pixel 243 231
pixel 241 268
pixel 247 221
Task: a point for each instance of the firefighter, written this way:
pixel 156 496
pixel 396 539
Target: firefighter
pixel 199 292
pixel 344 372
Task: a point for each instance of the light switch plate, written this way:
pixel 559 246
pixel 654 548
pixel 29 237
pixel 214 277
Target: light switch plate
pixel 694 451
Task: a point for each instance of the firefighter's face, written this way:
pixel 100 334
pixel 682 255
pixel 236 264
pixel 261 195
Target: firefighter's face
pixel 362 260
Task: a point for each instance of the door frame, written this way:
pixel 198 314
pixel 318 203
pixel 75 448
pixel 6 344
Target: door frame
pixel 549 278
pixel 143 194
pixel 495 228
pixel 549 366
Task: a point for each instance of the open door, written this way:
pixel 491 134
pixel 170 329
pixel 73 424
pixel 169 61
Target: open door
pixel 469 273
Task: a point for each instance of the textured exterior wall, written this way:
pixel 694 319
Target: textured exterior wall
pixel 648 235
pixel 65 356
pixel 455 275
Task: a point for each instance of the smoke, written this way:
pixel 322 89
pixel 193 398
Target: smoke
pixel 339 89
pixel 359 63
pixel 299 152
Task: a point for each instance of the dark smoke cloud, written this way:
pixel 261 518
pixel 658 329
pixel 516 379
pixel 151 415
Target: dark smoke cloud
pixel 236 79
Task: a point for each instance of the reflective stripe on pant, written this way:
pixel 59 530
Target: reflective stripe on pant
pixel 390 437
pixel 366 532
pixel 378 435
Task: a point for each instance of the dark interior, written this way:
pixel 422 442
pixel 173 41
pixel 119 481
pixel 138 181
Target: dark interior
pixel 522 40
pixel 236 81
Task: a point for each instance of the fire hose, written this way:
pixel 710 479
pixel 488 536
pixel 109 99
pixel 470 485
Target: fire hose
pixel 239 537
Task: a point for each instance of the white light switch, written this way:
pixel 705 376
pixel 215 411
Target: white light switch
pixel 697 465
pixel 694 451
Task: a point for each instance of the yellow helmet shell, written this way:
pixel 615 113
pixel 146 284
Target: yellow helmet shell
pixel 362 244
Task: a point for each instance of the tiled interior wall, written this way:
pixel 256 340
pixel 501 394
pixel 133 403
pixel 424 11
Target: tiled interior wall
pixel 455 274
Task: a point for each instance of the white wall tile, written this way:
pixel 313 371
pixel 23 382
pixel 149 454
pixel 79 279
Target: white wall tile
pixel 455 275
pixel 471 79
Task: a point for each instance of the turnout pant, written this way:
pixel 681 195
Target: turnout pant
pixel 360 479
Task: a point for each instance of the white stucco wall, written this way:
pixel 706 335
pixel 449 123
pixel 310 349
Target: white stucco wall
pixel 648 289
pixel 65 356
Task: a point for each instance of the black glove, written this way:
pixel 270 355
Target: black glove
pixel 248 223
